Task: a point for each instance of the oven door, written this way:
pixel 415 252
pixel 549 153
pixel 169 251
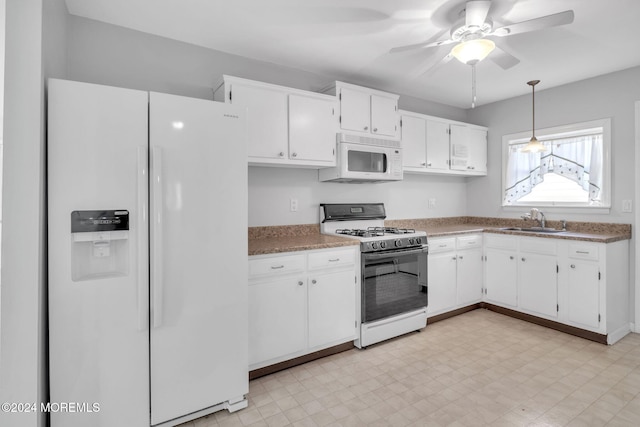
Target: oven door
pixel 393 282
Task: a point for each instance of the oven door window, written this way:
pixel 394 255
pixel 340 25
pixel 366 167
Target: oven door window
pixel 393 284
pixel 366 161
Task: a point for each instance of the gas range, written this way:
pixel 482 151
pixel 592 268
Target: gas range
pixel 365 222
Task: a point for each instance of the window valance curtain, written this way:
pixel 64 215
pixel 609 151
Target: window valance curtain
pixel 577 158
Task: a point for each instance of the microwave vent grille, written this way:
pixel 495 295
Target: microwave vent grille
pixel 367 140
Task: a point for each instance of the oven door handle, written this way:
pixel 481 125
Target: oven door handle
pixel 392 253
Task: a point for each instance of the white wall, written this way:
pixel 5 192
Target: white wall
pixel 270 190
pixel 34 44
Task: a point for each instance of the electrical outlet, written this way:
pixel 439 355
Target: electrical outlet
pixel 627 206
pixel 293 205
pixel 432 203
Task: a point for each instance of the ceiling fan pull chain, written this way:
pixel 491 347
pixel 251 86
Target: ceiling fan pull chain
pixel 473 86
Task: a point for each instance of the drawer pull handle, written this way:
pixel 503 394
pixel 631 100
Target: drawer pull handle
pixel 277 267
pixel 334 260
pixel 583 252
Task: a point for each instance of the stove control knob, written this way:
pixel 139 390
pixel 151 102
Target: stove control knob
pixel 418 240
pixel 374 245
pixel 398 243
pixel 411 241
pixel 383 245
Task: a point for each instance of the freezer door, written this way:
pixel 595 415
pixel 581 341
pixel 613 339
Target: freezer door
pixel 198 255
pixel 98 274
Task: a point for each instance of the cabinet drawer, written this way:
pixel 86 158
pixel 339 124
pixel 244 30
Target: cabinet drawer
pixel 500 242
pixel 583 251
pixel 276 265
pixel 331 259
pixel 538 245
pixel 468 242
pixel 442 245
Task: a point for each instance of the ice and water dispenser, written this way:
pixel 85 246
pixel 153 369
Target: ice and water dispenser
pixel 100 244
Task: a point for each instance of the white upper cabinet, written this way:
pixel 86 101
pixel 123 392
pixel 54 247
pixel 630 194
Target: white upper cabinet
pixel 286 127
pixel 440 146
pixel 367 111
pixel 312 128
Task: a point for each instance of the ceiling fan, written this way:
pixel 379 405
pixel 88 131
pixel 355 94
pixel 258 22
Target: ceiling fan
pixel 473 33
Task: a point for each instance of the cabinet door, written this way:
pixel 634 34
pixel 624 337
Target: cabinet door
pixel 477 150
pixel 312 129
pixel 469 276
pixel 332 308
pixel 441 274
pixel 384 116
pixel 538 281
pixel 277 318
pixel 355 110
pixel 414 137
pixel 437 145
pixel 583 305
pixel 459 146
pixel 267 120
pixel 501 277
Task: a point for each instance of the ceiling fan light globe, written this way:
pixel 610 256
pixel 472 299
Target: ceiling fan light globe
pixel 473 51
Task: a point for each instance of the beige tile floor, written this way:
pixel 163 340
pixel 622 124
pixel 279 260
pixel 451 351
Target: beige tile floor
pixel 477 369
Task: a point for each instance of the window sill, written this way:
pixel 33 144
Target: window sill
pixel 596 210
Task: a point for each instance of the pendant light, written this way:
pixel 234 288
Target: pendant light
pixel 533 146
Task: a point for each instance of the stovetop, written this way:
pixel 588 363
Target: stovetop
pixel 365 222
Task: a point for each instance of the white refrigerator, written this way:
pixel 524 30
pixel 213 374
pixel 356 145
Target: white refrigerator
pixel 147 250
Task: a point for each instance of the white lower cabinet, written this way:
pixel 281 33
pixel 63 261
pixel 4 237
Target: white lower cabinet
pixel 301 302
pixel 454 273
pixel 538 277
pixel 577 283
pixel 501 273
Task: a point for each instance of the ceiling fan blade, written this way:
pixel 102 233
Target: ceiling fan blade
pixel 433 67
pixel 503 59
pixel 424 45
pixel 561 18
pixel 476 13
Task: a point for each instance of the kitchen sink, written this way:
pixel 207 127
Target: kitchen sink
pixel 533 229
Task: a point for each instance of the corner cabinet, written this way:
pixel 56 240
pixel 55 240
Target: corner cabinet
pixel 367 111
pixel 285 126
pixel 301 302
pixel 580 284
pixel 438 146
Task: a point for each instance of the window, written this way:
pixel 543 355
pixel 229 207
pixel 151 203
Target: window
pixel 574 171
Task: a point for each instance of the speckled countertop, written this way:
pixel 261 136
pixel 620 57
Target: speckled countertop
pixel 584 231
pixel 290 238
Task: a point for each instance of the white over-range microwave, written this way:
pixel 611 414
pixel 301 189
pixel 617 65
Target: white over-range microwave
pixel 364 159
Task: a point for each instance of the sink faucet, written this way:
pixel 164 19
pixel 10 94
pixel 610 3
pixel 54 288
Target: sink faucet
pixel 534 214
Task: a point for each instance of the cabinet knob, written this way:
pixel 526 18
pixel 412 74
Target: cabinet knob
pixel 511 257
pixel 294 154
pixel 460 257
pixel 366 128
pixel 423 163
pixel 300 283
pixel 523 259
pixel 454 258
pixel 429 164
pixel 573 266
pixel 375 129
pixel 281 154
pixel 314 281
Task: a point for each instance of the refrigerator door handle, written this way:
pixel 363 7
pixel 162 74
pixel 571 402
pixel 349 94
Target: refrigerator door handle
pixel 143 228
pixel 156 241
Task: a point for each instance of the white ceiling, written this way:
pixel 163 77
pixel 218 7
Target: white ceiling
pixel 349 39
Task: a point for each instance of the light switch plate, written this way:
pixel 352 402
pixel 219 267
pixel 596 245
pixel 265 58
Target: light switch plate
pixel 627 206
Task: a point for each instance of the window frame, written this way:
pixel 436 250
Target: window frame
pixel 573 129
